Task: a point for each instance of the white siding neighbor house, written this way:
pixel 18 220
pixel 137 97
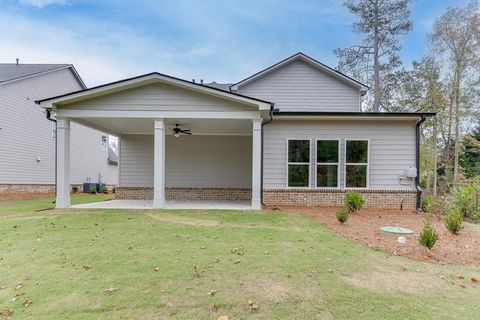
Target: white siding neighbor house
pixel 292 134
pixel 27 137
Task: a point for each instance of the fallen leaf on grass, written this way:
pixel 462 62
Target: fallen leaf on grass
pixel 195 273
pixel 87 266
pixel 110 290
pixel 212 292
pixel 7 312
pixel 156 269
pixel 474 280
pixel 223 318
pixel 3 287
pixel 26 303
pixel 19 286
pixel 253 305
pixel 236 262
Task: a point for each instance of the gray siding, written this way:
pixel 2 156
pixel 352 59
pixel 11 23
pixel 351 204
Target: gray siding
pixel 299 86
pixel 392 148
pixel 26 134
pixel 194 161
pixel 158 97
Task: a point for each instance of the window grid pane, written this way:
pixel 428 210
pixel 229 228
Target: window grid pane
pixel 356 151
pixel 327 151
pixel 327 175
pixel 356 176
pixel 299 151
pixel 298 175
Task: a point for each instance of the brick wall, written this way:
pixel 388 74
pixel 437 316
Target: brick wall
pixel 381 199
pixel 27 188
pixel 37 188
pixel 146 193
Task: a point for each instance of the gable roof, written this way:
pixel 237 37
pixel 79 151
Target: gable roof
pixel 148 79
pixel 10 72
pixel 309 60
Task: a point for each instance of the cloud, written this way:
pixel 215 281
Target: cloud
pixel 42 3
pixel 210 40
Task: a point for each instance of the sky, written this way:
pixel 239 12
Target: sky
pixel 213 40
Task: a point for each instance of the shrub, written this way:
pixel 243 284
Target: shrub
pixel 74 189
pixel 342 215
pixel 105 189
pixel 353 201
pixel 467 199
pixel 454 220
pixel 113 190
pixel 93 189
pixel 428 236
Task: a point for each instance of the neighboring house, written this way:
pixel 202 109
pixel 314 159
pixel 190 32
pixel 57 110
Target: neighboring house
pixel 292 134
pixel 27 137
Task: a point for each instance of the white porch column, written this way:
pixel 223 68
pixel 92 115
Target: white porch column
pixel 63 163
pixel 256 164
pixel 159 164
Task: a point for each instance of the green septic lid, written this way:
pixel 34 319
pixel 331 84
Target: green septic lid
pixel 395 230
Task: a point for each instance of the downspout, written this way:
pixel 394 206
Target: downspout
pixel 49 117
pixel 417 160
pixel 270 120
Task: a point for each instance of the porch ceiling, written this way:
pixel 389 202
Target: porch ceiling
pixel 119 126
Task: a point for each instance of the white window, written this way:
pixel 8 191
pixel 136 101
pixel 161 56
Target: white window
pixel 104 143
pixel 298 167
pixel 328 155
pixel 356 163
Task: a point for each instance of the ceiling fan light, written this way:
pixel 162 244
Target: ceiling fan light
pixel 176 134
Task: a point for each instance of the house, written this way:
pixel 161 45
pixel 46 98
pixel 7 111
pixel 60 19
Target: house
pixel 27 138
pixel 292 134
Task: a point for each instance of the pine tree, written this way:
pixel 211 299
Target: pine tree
pixel 381 22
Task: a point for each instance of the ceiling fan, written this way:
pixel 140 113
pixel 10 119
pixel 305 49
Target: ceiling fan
pixel 177 131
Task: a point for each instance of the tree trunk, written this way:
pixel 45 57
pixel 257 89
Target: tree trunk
pixel 376 63
pixel 457 128
pixel 435 156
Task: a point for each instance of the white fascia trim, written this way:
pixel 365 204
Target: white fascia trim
pixel 68 113
pixel 300 56
pixel 339 117
pixel 148 79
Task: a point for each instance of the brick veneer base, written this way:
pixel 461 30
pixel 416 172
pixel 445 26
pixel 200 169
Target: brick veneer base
pixel 27 188
pixel 146 193
pixel 381 199
pixel 36 188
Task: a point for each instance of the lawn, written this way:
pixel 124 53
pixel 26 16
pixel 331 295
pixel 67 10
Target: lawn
pixel 174 264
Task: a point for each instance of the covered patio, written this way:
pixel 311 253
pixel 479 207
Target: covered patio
pixel 218 166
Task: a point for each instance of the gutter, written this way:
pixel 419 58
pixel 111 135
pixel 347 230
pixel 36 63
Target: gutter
pixel 417 162
pixel 272 105
pixel 49 117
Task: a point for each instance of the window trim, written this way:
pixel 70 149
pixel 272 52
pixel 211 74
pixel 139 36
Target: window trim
pixel 328 163
pixel 308 164
pixel 351 163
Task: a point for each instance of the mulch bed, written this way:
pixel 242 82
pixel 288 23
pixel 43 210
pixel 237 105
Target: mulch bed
pixel 363 227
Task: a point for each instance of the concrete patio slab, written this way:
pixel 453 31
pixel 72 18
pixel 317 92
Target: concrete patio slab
pixel 148 204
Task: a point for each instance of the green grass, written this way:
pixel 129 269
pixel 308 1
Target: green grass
pixel 290 265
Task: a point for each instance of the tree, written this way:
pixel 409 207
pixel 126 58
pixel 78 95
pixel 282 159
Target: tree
pixel 470 159
pixel 456 39
pixel 381 22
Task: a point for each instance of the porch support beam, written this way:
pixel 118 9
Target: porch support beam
pixel 159 164
pixel 63 163
pixel 256 164
pixel 85 113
